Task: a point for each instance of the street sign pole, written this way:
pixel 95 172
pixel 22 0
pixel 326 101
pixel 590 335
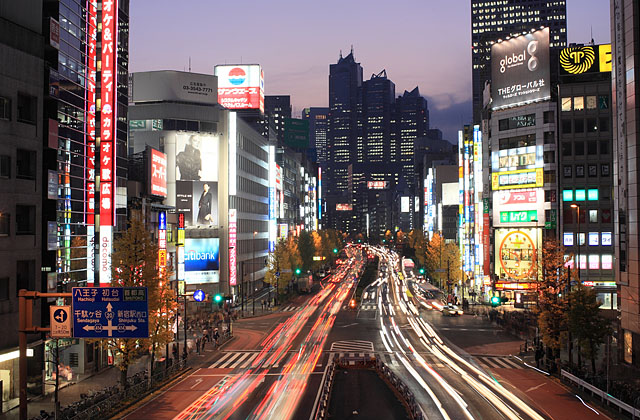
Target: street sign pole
pixel 25 325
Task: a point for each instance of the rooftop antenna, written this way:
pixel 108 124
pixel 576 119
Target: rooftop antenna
pixel 592 41
pixel 189 64
pixel 351 49
pixel 340 53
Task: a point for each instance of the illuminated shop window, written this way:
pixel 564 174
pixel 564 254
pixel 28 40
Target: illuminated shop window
pixel 607 262
pixel 581 195
pixel 594 262
pixel 567 239
pixel 594 238
pixel 567 195
pixel 606 238
pixel 592 194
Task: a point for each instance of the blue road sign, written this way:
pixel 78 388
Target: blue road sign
pixel 198 295
pixel 277 274
pixel 60 315
pixel 104 312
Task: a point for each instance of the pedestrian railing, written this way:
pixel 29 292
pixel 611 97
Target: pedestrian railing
pixel 622 406
pixel 322 409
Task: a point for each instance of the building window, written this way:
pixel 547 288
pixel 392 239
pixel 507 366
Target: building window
pixel 25 220
pixel 578 125
pixel 604 124
pixel 25 275
pixel 593 216
pixel 604 147
pixel 550 157
pixel 592 125
pixel 603 102
pixel 591 102
pixel 5 166
pixel 548 117
pixel 566 104
pixel 25 164
pixel 566 126
pixel 518 121
pixel 567 170
pixel 4 288
pixel 579 147
pixel 604 169
pixel 578 103
pixel 27 108
pixel 5 220
pixel 566 148
pixel 580 171
pixel 592 170
pixel 549 137
pixel 5 108
pixel 592 147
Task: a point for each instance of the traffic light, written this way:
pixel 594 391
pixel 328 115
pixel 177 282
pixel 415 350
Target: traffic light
pixel 421 271
pixel 335 250
pixel 218 299
pixel 495 301
pixel 298 271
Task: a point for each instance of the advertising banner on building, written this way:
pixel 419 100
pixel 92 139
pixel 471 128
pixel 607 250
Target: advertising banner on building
pixel 585 59
pixel 154 86
pixel 197 178
pixel 517 208
pixel 233 236
pixel 240 86
pixel 344 207
pixel 157 173
pixel 516 250
pixel 520 70
pixel 377 185
pixel 202 260
pixel 522 178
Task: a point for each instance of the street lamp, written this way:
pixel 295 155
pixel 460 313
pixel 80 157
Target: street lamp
pixel 254 270
pixel 577 207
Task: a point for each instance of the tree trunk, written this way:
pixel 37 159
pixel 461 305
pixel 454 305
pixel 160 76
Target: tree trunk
pixel 124 371
pixel 579 357
pixel 593 357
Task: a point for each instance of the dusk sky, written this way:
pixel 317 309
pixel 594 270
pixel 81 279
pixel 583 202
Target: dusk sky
pixel 424 43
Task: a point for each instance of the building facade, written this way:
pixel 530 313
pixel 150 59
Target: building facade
pixel 626 136
pixel 494 20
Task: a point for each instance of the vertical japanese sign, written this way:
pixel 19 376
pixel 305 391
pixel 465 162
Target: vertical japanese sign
pixel 162 242
pixel 180 274
pixel 108 86
pixel 233 231
pixel 90 130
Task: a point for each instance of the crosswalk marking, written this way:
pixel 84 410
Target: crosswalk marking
pixel 290 308
pixel 245 359
pixel 504 362
pixel 352 346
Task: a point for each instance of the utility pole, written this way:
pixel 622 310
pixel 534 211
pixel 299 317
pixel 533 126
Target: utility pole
pixel 448 280
pixel 253 271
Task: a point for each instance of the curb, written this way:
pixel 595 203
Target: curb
pixel 128 409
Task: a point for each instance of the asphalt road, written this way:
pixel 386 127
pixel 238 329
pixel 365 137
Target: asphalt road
pixel 272 369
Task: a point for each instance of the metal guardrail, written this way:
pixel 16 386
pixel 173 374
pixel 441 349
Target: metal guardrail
pixel 322 411
pixel 634 412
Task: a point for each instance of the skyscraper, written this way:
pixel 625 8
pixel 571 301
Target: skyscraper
pixel 626 138
pixel 276 109
pixel 491 21
pixel 345 80
pixel 318 132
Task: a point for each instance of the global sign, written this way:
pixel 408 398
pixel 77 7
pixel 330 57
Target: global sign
pixel 520 70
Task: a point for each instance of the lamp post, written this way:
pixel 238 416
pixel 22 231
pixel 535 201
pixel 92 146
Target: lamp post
pixel 577 207
pixel 253 270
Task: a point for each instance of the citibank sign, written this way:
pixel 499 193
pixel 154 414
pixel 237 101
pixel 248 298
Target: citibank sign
pixel 202 254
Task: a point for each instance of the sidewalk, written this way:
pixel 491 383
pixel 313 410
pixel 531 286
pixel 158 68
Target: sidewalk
pixel 71 393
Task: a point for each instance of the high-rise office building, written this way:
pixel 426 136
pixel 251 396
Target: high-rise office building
pixel 626 139
pixel 276 109
pixel 318 132
pixel 21 189
pixel 501 19
pixel 345 80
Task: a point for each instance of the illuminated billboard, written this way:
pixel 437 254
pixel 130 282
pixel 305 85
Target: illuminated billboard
pixel 240 86
pixel 405 204
pixel 343 207
pixel 529 157
pixel 516 253
pixel 585 59
pixel 520 70
pixel 197 178
pixel 377 185
pixel 233 236
pixel 201 260
pixel 170 85
pixel 157 173
pixel 511 208
pixel 523 178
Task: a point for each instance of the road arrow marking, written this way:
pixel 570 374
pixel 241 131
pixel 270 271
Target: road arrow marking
pixel 198 381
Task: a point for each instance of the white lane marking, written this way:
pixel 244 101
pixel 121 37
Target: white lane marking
pixel 533 388
pixel 198 382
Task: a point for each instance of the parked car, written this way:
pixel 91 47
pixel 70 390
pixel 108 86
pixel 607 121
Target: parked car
pixel 451 310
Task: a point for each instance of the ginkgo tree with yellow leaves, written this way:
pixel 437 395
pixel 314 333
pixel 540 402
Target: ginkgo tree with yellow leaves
pixel 135 264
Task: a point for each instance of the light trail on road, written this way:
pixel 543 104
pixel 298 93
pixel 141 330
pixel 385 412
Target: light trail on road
pixel 283 396
pixel 504 403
